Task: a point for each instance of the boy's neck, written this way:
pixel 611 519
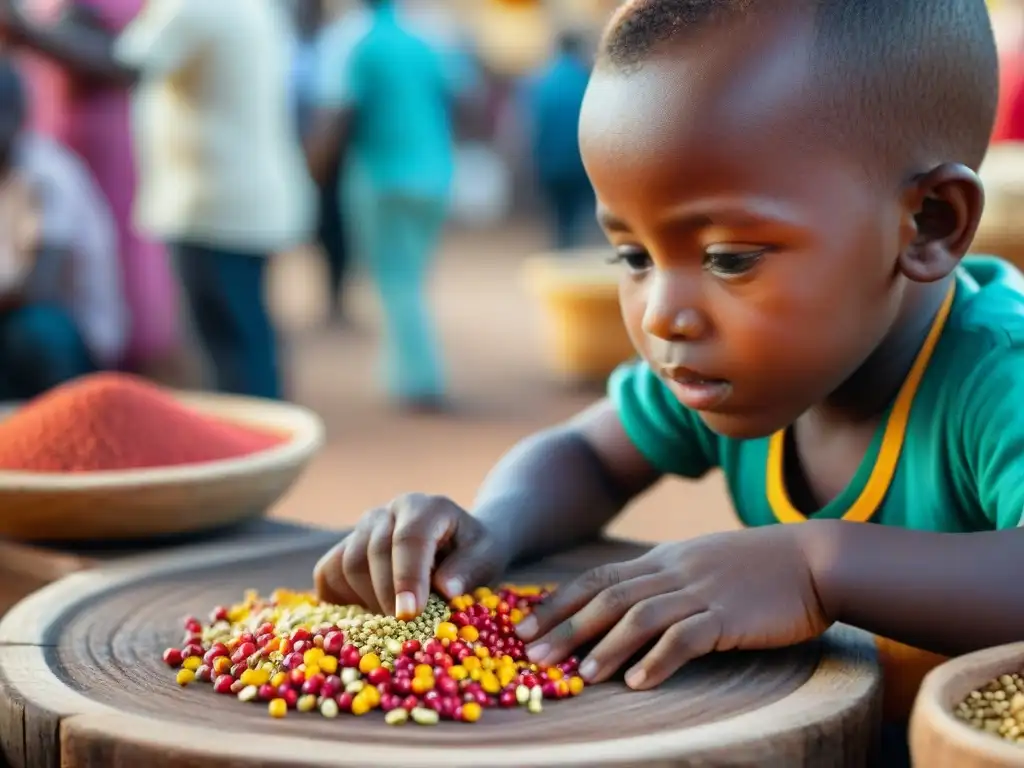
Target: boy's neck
pixel 872 388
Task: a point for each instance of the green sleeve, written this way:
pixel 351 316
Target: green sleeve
pixel 992 419
pixel 669 435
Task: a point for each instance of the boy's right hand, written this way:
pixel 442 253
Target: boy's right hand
pixel 396 552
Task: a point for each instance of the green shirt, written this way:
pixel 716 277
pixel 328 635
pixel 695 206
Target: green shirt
pixel 961 467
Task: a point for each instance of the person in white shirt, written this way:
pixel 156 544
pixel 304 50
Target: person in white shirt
pixel 222 178
pixel 62 307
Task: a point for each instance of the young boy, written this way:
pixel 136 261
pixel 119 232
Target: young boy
pixel 791 189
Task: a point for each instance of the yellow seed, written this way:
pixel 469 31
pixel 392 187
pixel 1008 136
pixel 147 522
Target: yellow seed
pixel 471 663
pixel 277 708
pixel 458 672
pixel 360 706
pixel 506 675
pixel 312 656
pixel 490 683
pixel 481 592
pixel 554 673
pixel 368 663
pixel 423 670
pixel 192 663
pixel 469 633
pixel 490 602
pixel 279 679
pixel 329 665
pixel 185 676
pixel 312 669
pixel 306 703
pixel 446 631
pixel 471 711
pixel 475 674
pixel 488 664
pixel 372 695
pixel 221 665
pixel 515 615
pixel 576 685
pixel 255 677
pixel 482 652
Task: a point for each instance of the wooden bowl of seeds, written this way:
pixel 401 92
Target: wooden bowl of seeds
pixel 969 712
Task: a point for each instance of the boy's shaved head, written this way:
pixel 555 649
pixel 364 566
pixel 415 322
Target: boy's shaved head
pixel 914 78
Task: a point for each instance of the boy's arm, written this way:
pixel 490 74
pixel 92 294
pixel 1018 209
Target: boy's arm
pixel 948 593
pixel 562 486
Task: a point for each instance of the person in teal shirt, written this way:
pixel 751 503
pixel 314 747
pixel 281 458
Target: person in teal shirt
pixel 390 105
pixel 792 191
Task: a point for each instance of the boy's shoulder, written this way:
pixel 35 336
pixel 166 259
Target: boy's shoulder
pixel 988 313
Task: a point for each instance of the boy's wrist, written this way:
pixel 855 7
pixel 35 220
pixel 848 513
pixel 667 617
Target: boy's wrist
pixel 822 543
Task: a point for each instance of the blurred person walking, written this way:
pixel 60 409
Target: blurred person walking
pixel 91 118
pixel 62 310
pixel 554 97
pixel 390 109
pixel 310 17
pixel 222 178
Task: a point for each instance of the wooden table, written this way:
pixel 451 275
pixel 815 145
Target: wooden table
pixel 82 686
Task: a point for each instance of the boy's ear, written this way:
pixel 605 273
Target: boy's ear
pixel 942 209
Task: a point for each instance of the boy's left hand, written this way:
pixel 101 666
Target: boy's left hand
pixel 749 589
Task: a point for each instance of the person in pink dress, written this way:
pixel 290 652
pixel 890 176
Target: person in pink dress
pixel 92 119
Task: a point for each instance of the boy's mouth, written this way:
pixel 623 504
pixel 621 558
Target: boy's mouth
pixel 696 391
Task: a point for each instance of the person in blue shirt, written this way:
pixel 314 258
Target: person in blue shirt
pixel 553 98
pixel 391 109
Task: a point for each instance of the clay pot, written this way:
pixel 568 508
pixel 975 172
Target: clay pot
pixel 937 738
pixel 578 292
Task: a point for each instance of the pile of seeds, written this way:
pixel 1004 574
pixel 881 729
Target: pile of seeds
pixel 998 708
pixel 292 652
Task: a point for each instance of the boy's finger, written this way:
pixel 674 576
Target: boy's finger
pixel 567 600
pixel 379 554
pixel 356 568
pixel 594 619
pixel 413 549
pixel 465 569
pixel 644 622
pixel 329 579
pixel 690 639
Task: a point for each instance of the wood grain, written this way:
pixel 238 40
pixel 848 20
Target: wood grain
pixel 937 738
pixel 90 662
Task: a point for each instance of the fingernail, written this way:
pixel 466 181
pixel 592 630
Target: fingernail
pixel 636 677
pixel 405 605
pixel 527 628
pixel 588 669
pixel 453 587
pixel 538 652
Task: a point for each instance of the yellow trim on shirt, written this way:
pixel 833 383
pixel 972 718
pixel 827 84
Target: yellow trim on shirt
pixel 878 483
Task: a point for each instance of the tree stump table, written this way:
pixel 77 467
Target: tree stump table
pixel 82 685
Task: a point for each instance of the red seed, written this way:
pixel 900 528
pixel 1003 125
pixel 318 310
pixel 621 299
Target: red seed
pixel 402 685
pixel 446 686
pixel 292 660
pixel 333 643
pixel 192 649
pixel 220 613
pixel 267 692
pixel 291 698
pixel 449 706
pixel 301 646
pixel 204 673
pixel 193 625
pixel 313 684
pixel 237 669
pixel 508 699
pixel 344 702
pixel 409 703
pixel 410 647
pixel 349 656
pixel 301 634
pixel 246 637
pixel 223 684
pixel 390 701
pixel 332 687
pixel 549 690
pixel 237 686
pixel 378 676
pixel 173 657
pixel 297 678
pixel 432 647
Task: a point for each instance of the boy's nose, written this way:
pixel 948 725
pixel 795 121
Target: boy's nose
pixel 671 313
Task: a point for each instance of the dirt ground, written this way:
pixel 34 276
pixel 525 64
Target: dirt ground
pixel 492 333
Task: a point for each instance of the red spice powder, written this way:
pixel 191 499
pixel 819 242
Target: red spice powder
pixel 114 421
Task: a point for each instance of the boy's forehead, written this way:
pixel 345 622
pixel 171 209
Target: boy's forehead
pixel 738 86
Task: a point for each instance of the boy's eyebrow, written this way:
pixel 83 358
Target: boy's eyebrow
pixel 707 213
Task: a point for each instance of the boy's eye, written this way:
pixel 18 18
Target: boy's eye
pixel 636 259
pixel 731 259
